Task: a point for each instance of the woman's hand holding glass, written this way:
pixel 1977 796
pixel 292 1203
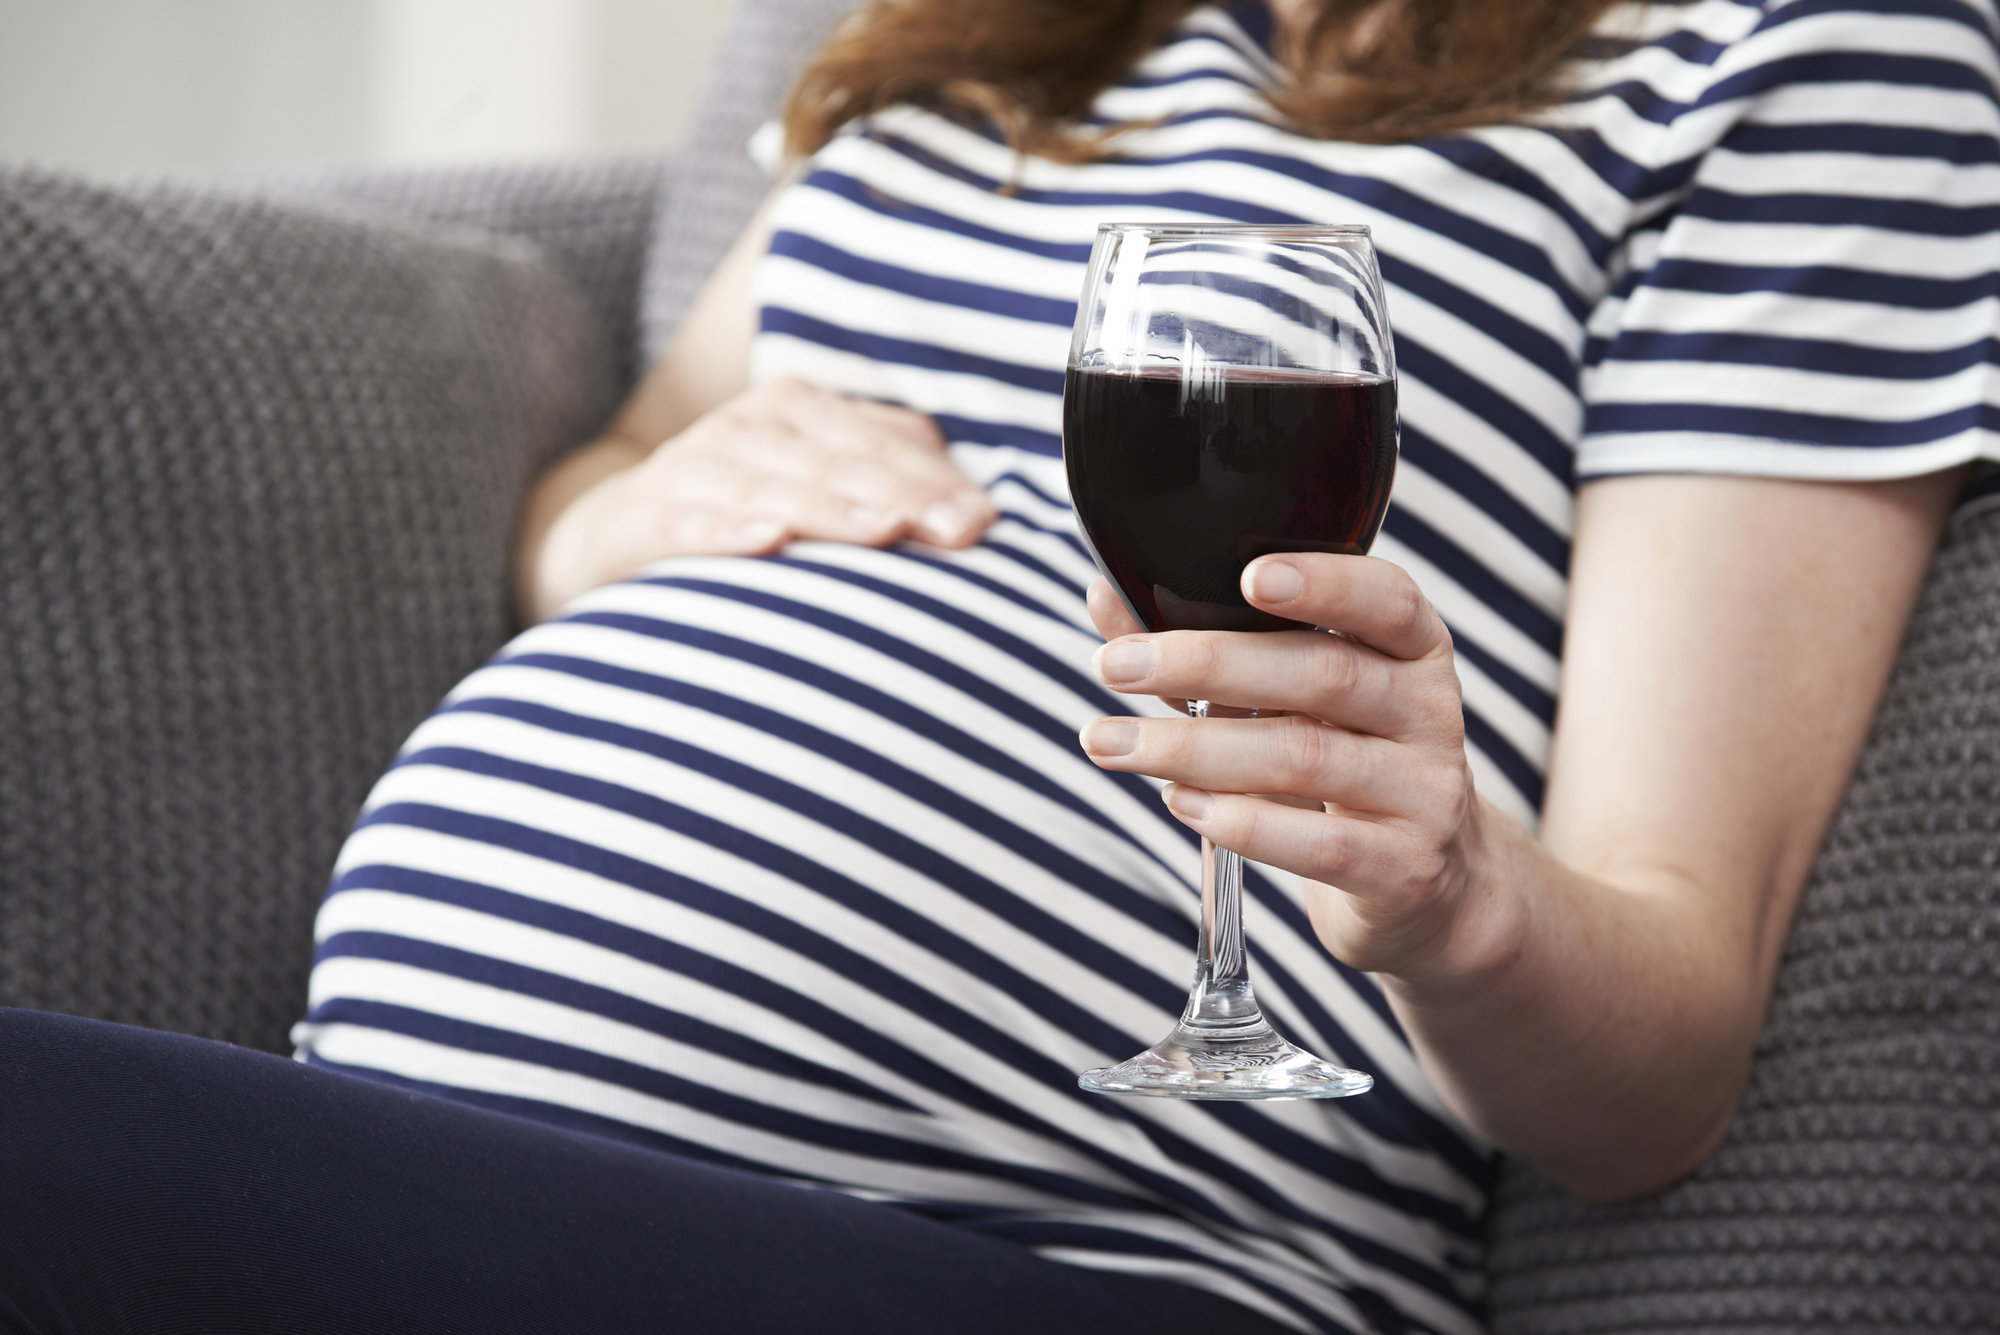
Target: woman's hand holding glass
pixel 1353 774
pixel 782 460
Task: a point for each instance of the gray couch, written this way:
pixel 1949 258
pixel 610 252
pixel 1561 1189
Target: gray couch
pixel 262 457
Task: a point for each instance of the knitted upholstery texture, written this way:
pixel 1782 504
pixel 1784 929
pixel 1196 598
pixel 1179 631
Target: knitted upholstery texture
pixel 715 186
pixel 262 467
pixel 591 220
pixel 1859 1188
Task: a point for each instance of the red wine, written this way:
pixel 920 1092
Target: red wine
pixel 1180 484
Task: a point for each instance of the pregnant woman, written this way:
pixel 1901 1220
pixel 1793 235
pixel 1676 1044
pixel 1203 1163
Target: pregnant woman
pixel 753 913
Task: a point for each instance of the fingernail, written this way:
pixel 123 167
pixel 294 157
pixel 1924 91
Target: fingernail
pixel 1126 661
pixel 953 520
pixel 1190 802
pixel 1111 737
pixel 760 533
pixel 1276 582
pixel 943 522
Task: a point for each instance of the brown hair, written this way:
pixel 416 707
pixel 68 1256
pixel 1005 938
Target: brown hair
pixel 1376 71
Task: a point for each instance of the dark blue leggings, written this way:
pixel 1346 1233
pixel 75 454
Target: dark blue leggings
pixel 160 1184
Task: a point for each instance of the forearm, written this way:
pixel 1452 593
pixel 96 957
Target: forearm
pixel 1728 640
pixel 552 494
pixel 1601 1030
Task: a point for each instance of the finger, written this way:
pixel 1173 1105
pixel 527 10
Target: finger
pixel 812 512
pixel 745 484
pixel 720 533
pixel 1114 619
pixel 793 429
pixel 956 519
pixel 1294 755
pixel 1369 598
pixel 872 455
pixel 639 536
pixel 917 506
pixel 953 511
pixel 1333 679
pixel 936 501
pixel 1108 611
pixel 894 460
pixel 1368 860
pixel 758 460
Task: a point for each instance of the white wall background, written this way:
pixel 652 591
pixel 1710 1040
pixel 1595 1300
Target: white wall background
pixel 115 87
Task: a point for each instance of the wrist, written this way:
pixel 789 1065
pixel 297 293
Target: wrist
pixel 1486 927
pixel 551 551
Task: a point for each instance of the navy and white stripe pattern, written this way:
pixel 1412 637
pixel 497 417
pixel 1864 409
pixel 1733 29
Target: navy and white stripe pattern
pixel 794 864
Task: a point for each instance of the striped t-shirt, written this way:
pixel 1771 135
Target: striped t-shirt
pixel 793 864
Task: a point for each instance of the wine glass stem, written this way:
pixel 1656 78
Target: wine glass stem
pixel 1221 1003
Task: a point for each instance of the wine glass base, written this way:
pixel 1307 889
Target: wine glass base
pixel 1190 1065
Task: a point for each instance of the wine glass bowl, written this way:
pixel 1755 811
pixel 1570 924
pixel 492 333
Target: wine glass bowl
pixel 1230 394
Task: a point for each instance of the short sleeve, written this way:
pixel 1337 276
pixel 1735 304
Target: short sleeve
pixel 767 148
pixel 1824 302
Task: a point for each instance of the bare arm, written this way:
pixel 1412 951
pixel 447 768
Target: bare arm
pixel 701 463
pixel 1729 641
pixel 1589 1000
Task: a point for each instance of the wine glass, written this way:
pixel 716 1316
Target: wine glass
pixel 1231 392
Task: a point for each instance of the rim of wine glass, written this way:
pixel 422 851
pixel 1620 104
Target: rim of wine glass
pixel 1302 230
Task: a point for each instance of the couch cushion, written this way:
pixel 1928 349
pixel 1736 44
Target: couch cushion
pixel 1859 1186
pixel 261 470
pixel 592 219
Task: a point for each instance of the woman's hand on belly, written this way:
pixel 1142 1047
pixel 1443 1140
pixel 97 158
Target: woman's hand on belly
pixel 781 460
